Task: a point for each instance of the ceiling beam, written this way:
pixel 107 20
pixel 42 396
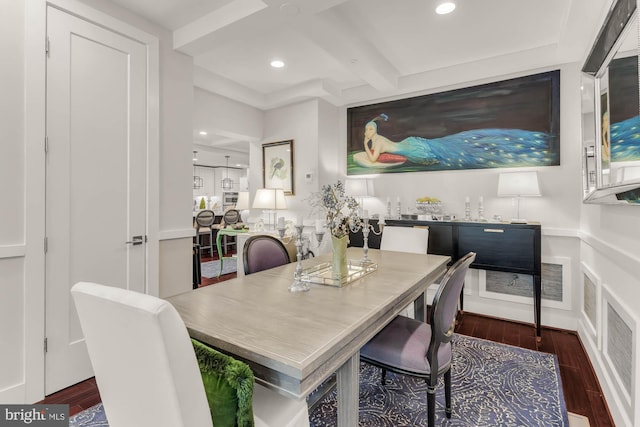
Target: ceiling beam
pixel 194 38
pixel 340 39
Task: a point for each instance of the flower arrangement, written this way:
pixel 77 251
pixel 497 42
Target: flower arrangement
pixel 341 210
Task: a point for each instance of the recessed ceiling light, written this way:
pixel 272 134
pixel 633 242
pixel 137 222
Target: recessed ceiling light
pixel 203 132
pixel 445 7
pixel 276 63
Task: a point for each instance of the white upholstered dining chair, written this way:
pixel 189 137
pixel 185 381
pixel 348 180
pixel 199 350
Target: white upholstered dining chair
pixel 405 239
pixel 147 371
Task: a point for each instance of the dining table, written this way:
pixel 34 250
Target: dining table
pixel 294 341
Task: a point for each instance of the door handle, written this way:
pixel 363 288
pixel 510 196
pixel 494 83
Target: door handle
pixel 135 240
pixel 493 230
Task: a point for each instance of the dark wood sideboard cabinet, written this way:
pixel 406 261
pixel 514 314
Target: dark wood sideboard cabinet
pixel 513 248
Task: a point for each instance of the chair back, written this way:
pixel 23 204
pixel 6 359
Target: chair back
pixel 143 359
pixel 262 252
pixel 405 239
pixel 232 216
pixel 205 219
pixel 445 306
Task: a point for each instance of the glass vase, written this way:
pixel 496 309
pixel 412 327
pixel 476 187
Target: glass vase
pixel 339 270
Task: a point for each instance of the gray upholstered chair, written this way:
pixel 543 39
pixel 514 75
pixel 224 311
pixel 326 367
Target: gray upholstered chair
pixel 204 221
pixel 262 252
pixel 411 347
pixel 150 373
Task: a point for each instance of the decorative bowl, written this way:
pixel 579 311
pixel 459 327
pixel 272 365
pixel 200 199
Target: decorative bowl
pixel 429 207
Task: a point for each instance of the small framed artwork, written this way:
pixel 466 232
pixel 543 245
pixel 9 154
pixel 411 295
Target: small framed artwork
pixel 277 166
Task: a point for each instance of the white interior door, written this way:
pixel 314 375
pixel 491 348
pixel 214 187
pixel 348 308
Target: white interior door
pixel 95 178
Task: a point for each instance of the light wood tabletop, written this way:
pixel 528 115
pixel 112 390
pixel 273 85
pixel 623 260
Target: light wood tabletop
pixel 294 341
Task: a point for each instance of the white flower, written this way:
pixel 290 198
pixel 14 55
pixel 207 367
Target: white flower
pixel 341 211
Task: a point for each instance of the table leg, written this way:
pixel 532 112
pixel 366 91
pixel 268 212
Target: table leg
pixel 537 299
pixel 419 308
pixel 348 383
pixel 219 248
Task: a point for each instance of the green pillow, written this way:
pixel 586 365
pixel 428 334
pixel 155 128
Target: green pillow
pixel 228 384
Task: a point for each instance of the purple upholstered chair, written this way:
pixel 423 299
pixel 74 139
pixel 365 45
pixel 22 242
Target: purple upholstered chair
pixel 262 252
pixel 423 350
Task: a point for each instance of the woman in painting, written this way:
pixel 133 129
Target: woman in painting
pixel 478 148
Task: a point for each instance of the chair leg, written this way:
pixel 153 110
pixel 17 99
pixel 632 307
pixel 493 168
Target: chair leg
pixel 447 392
pixel 383 380
pixel 431 405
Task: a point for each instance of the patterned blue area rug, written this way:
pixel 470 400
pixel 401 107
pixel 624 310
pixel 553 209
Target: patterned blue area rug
pixel 211 268
pixel 492 385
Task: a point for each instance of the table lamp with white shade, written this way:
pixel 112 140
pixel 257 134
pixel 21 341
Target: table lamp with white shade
pixel 270 199
pixel 517 185
pixel 242 204
pixel 359 188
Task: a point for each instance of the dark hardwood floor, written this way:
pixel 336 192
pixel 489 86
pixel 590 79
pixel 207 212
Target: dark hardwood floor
pixel 582 391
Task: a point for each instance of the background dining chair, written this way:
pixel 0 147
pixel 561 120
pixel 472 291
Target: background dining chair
pixel 230 217
pixel 262 252
pixel 204 221
pixel 406 239
pixel 411 347
pixel 148 375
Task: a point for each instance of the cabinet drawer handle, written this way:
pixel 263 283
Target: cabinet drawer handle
pixel 493 230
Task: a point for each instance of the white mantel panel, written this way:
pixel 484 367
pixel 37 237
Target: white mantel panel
pixel 11 126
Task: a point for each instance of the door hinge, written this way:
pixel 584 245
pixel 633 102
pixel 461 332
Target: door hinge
pixel 46 144
pixel 46 244
pixel 46 46
pixel 46 344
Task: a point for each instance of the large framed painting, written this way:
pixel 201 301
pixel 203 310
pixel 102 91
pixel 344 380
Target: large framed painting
pixel 510 123
pixel 277 166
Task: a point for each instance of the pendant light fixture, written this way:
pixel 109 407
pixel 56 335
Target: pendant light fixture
pixel 227 183
pixel 197 181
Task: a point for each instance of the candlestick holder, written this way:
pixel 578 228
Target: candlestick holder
pixel 481 217
pixel 399 210
pixel 366 229
pixel 467 210
pixel 298 285
pixel 281 232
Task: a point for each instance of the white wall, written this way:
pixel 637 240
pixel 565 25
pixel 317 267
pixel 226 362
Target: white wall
pixel 299 122
pixel 228 117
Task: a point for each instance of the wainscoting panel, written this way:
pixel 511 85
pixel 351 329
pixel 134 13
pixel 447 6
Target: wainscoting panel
pixel 556 284
pixel 12 326
pixel 591 304
pixel 619 346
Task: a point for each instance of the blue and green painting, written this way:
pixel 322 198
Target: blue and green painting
pixel 623 106
pixel 510 123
